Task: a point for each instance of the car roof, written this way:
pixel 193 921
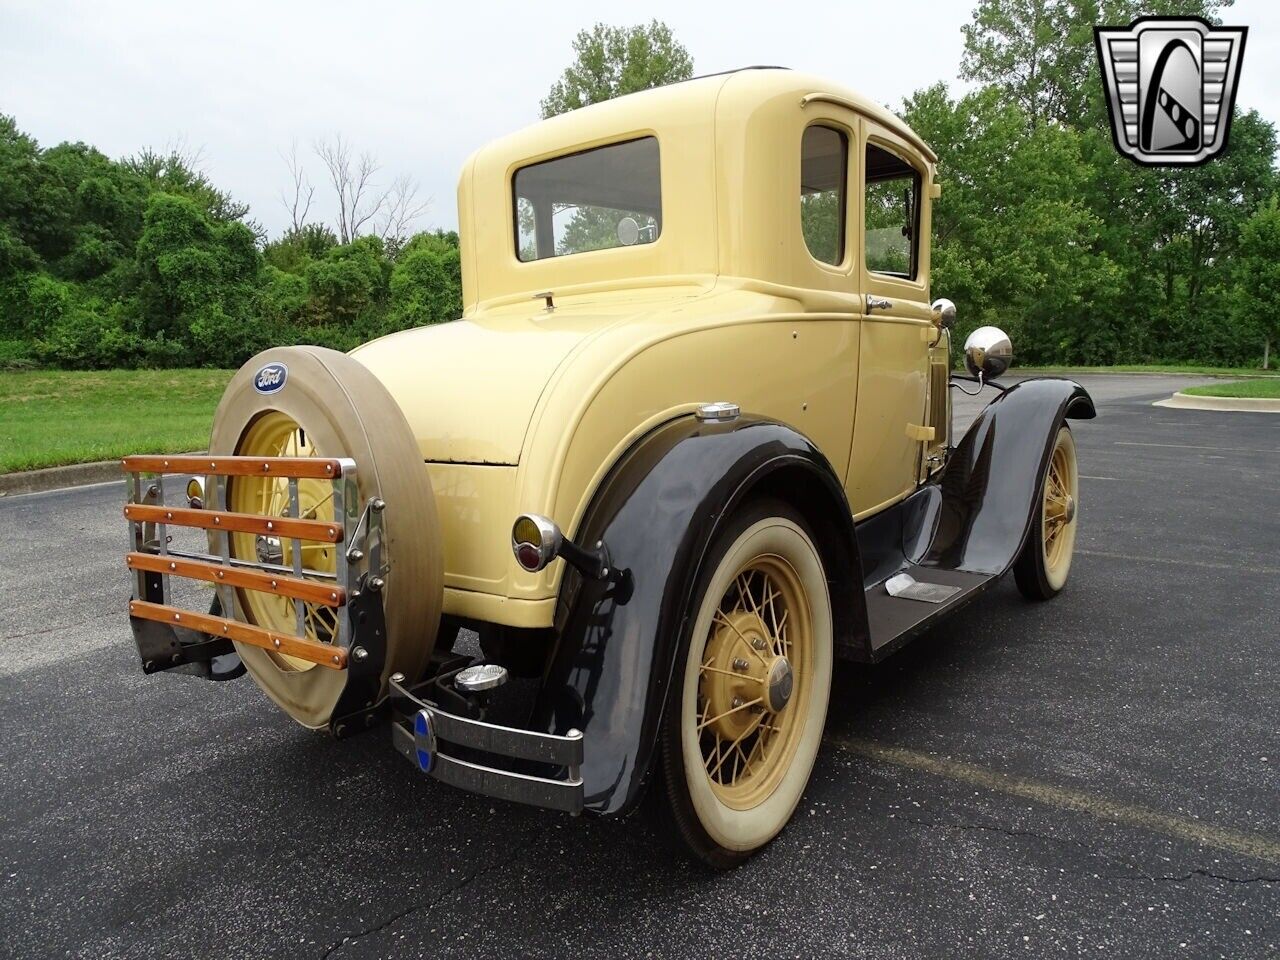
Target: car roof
pixel 708 94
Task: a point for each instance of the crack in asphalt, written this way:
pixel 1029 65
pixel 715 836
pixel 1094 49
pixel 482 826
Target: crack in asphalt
pixel 1200 872
pixel 444 894
pixel 1141 874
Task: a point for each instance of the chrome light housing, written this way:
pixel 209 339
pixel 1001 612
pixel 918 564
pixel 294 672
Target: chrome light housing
pixel 988 353
pixel 536 541
pixel 944 313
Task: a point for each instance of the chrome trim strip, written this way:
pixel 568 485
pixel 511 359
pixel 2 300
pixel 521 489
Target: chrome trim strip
pixel 506 741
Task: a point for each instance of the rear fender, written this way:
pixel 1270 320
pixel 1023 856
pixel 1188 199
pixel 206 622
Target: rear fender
pixel 657 513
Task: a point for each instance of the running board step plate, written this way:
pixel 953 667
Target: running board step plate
pixel 895 620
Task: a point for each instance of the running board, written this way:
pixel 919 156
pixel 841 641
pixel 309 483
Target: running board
pixel 893 621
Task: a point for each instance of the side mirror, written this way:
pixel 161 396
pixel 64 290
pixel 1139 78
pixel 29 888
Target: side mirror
pixel 987 353
pixel 628 231
pixel 944 314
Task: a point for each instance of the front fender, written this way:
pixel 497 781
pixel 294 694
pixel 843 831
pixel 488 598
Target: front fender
pixel 988 494
pixel 657 513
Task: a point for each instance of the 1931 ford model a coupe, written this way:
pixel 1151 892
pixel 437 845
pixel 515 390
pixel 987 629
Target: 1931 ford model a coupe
pixel 690 433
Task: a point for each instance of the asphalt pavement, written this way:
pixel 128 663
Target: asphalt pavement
pixel 1094 776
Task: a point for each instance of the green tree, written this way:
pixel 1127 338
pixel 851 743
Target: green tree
pixel 1256 296
pixel 1040 53
pixel 198 280
pixel 298 247
pixel 1016 244
pixel 612 61
pixel 426 284
pixel 350 279
pixel 177 172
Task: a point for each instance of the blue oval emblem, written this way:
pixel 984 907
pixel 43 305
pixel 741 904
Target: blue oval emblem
pixel 271 378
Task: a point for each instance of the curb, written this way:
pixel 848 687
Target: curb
pixel 56 478
pixel 52 478
pixel 1185 401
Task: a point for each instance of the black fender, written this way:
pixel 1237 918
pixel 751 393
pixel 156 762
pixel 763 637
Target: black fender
pixel 978 515
pixel 657 512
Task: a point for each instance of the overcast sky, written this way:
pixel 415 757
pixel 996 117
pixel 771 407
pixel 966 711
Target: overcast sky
pixel 420 85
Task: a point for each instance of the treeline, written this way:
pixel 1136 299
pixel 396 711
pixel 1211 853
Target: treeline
pixel 1043 228
pixel 143 262
pixel 1084 257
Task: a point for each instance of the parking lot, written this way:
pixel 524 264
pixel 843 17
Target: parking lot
pixel 1094 776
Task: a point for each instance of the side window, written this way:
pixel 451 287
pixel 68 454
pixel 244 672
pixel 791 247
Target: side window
pixel 892 214
pixel 824 167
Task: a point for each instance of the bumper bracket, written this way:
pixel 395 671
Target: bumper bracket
pixel 539 769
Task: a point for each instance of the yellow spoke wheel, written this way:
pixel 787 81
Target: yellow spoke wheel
pixel 1042 568
pixel 741 743
pixel 758 658
pixel 275 434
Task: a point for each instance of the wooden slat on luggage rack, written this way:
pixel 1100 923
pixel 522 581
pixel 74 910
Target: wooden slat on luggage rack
pixel 329 595
pixel 284 527
pixel 309 650
pixel 306 468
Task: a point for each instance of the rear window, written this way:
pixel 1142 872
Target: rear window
pixel 594 200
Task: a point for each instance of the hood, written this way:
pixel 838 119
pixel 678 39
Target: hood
pixel 469 388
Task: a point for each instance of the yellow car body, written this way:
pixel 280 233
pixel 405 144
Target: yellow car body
pixel 698 365
pixel 521 408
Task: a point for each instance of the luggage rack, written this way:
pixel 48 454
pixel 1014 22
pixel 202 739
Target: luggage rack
pixel 169 636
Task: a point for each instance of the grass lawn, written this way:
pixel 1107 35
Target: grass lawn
pixel 1257 389
pixel 49 418
pixel 1189 370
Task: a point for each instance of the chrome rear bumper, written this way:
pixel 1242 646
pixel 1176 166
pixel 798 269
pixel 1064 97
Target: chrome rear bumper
pixel 460 751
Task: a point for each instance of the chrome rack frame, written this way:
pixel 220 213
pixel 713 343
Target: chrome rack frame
pixel 170 638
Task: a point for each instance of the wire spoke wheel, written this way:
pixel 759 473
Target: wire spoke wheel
pixel 275 434
pixel 740 744
pixel 1042 568
pixel 757 659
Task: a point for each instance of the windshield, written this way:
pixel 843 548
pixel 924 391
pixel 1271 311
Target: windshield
pixel 607 197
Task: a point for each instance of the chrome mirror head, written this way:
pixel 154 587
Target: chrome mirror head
pixel 988 353
pixel 944 313
pixel 628 231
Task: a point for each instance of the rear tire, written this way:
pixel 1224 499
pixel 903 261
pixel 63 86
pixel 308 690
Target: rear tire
pixel 332 406
pixel 1041 569
pixel 738 749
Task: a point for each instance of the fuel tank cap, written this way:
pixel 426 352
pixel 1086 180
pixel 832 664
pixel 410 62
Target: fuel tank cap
pixel 719 412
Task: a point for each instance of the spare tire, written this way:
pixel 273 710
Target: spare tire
pixel 324 403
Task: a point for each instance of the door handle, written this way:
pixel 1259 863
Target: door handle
pixel 878 303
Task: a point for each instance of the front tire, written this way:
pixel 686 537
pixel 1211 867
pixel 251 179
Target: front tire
pixel 1042 568
pixel 744 724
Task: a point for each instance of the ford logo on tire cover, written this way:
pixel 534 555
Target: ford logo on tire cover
pixel 271 378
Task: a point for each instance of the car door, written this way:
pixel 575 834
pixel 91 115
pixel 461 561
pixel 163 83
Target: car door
pixel 890 422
